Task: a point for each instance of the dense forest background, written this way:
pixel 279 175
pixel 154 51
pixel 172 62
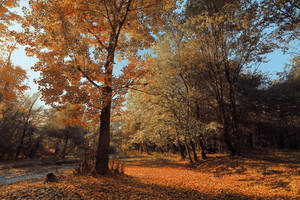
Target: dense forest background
pixel 192 83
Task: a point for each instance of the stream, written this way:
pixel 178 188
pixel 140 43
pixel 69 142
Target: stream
pixel 12 175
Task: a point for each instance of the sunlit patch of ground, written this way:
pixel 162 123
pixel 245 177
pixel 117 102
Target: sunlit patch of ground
pixel 272 176
pixel 275 176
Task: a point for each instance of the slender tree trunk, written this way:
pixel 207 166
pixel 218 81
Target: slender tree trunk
pixel 63 153
pixel 188 152
pixel 203 149
pixel 194 151
pixel 228 141
pixel 180 146
pixel 34 149
pixel 57 149
pixel 233 112
pixel 20 146
pixel 226 129
pixel 223 115
pixel 250 140
pixel 181 150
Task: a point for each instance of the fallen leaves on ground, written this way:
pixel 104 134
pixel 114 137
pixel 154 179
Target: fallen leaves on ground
pixel 148 178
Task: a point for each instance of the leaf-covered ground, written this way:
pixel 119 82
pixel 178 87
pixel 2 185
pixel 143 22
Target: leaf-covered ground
pixel 260 177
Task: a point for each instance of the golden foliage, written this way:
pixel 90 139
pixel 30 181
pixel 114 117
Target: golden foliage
pixel 11 82
pixel 76 43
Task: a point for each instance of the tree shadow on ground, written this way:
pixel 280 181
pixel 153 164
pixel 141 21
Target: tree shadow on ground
pixel 272 169
pixel 114 188
pixel 127 187
pixel 131 187
pixel 156 162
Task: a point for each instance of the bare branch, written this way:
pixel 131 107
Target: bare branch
pixel 98 39
pixel 108 17
pixel 88 78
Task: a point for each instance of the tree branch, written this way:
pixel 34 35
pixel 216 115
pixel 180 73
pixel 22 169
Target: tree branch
pixel 88 78
pixel 98 39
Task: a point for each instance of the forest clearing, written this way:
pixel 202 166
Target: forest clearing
pixel 273 176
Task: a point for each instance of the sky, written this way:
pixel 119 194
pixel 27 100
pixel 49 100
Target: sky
pixel 277 61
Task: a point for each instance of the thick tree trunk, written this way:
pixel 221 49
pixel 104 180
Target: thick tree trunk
pixel 104 133
pixel 104 140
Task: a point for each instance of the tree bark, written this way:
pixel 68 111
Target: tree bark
pixel 25 127
pixel 104 139
pixel 63 153
pixel 20 146
pixel 233 111
pixel 223 115
pixel 203 149
pixel 34 149
pixel 181 150
pixel 226 129
pixel 188 152
pixel 194 151
pixel 104 133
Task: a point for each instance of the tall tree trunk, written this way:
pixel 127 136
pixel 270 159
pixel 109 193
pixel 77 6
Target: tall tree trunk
pixel 104 133
pixel 223 114
pixel 104 140
pixel 102 158
pixel 234 120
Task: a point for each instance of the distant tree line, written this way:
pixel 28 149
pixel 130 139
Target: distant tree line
pixel 203 92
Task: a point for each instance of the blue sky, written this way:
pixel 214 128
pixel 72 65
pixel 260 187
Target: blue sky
pixel 276 64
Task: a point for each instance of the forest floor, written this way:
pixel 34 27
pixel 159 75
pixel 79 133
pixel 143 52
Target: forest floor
pixel 274 175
